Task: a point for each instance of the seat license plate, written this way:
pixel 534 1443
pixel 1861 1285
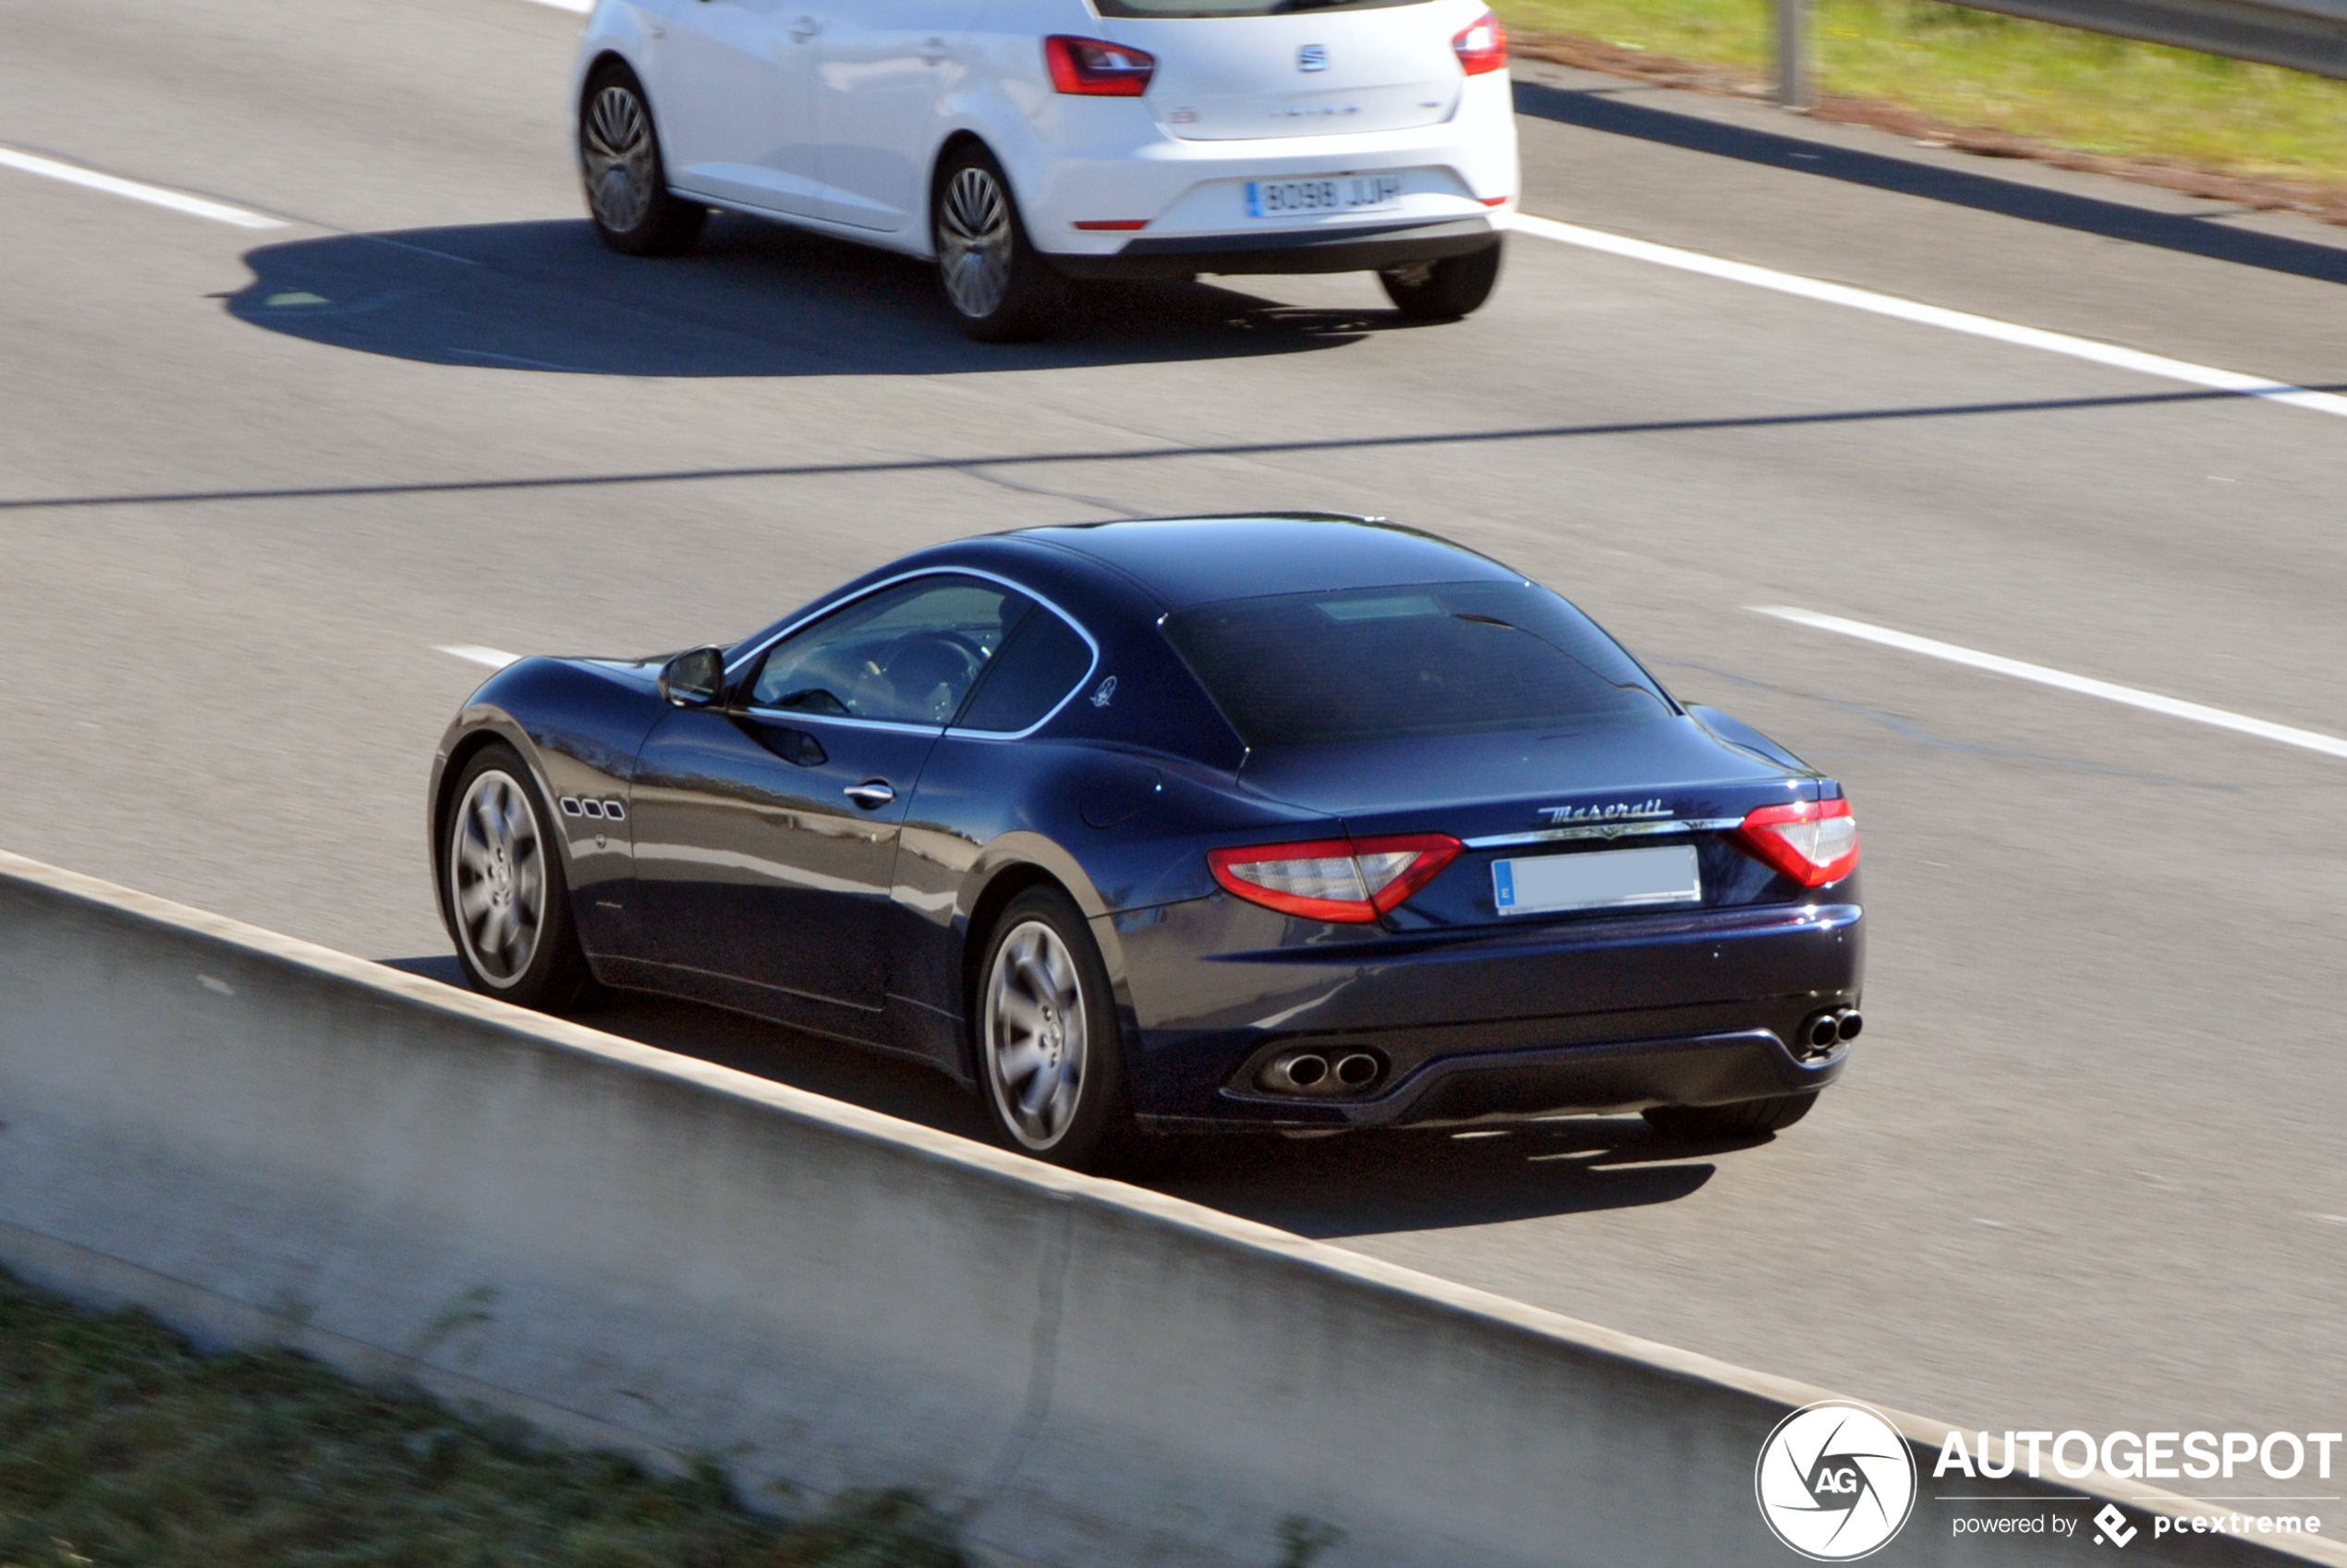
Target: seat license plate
pixel 1306 198
pixel 1606 879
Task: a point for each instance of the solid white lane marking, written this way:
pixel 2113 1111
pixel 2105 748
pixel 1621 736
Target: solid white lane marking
pixel 153 195
pixel 473 653
pixel 582 7
pixel 2175 708
pixel 2087 348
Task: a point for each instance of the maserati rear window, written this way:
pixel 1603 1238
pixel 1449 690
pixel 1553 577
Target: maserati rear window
pixel 1305 669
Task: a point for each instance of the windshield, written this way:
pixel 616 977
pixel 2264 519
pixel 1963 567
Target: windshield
pixel 1434 659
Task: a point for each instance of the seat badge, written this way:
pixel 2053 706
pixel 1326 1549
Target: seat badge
pixel 1312 57
pixel 1105 693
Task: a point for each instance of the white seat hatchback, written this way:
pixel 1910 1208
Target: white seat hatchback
pixel 1023 143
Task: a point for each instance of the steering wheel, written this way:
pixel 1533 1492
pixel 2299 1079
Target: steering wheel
pixel 968 647
pixel 913 667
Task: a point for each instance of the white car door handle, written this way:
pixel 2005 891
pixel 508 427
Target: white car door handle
pixel 804 28
pixel 871 795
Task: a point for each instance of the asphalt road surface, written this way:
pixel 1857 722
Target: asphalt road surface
pixel 2086 1170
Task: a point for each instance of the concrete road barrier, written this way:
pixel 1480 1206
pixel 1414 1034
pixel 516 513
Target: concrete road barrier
pixel 261 1139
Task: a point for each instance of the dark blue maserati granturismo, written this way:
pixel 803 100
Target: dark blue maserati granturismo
pixel 1204 824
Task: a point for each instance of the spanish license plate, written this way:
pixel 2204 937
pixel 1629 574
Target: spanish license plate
pixel 1605 879
pixel 1303 198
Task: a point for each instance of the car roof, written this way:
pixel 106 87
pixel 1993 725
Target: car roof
pixel 1186 561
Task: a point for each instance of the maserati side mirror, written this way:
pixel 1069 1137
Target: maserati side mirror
pixel 694 680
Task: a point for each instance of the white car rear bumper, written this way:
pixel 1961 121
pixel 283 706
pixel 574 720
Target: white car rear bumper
pixel 1182 206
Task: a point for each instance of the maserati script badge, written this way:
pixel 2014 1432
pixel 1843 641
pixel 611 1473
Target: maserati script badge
pixel 1619 810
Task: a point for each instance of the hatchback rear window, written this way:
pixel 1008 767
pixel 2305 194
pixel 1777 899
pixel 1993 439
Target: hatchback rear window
pixel 1380 663
pixel 1236 7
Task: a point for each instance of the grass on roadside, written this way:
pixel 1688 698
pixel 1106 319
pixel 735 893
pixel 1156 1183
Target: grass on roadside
pixel 2057 85
pixel 119 1446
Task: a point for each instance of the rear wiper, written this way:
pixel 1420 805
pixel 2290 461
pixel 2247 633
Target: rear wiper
pixel 1486 620
pixel 1291 6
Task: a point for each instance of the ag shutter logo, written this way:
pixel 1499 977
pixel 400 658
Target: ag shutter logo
pixel 1835 1481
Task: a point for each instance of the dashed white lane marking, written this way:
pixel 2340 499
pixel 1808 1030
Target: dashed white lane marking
pixel 473 653
pixel 1964 322
pixel 153 195
pixel 2175 708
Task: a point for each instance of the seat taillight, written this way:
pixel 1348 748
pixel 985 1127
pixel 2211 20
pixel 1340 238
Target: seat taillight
pixel 1350 881
pixel 1481 47
pixel 1095 69
pixel 1814 842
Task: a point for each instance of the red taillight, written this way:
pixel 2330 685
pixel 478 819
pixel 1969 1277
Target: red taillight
pixel 1482 46
pixel 1087 66
pixel 1351 881
pixel 1814 842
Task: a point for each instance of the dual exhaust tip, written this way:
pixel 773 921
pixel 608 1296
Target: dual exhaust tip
pixel 1313 1073
pixel 1836 1026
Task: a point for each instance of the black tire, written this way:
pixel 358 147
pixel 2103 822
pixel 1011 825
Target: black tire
pixel 1745 1118
pixel 626 179
pixel 998 286
pixel 552 974
pixel 1443 290
pixel 1086 1125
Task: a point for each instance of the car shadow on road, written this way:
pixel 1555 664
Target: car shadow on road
pixel 1366 1183
pixel 1357 1185
pixel 756 300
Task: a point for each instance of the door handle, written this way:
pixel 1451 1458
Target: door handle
pixel 934 50
pixel 871 795
pixel 804 28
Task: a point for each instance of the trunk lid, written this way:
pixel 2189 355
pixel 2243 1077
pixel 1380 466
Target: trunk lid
pixel 1520 796
pixel 1306 73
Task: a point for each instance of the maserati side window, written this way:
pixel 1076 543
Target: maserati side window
pixel 907 654
pixel 1039 667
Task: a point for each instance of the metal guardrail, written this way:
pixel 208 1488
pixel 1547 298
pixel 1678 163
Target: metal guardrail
pixel 2306 35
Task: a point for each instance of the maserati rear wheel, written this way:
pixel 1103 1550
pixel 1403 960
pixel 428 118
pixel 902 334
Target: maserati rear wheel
pixel 1049 1063
pixel 506 900
pixel 619 158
